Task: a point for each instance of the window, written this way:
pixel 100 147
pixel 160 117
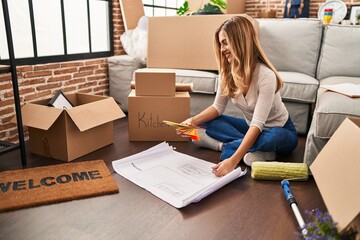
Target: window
pixel 46 31
pixel 162 7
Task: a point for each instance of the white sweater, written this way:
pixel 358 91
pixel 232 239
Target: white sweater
pixel 261 106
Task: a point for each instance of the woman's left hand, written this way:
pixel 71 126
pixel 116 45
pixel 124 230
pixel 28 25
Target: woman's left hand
pixel 224 167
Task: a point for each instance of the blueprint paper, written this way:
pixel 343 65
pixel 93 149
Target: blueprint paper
pixel 174 177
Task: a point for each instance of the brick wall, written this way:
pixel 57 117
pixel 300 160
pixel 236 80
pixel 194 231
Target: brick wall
pixel 118 28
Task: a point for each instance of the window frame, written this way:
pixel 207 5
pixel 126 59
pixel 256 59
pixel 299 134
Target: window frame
pixel 153 6
pixel 65 57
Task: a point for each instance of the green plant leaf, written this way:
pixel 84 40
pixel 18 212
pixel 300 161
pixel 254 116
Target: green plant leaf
pixel 211 8
pixel 183 9
pixel 219 3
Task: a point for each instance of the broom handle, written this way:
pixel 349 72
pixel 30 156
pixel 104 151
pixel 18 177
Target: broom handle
pixel 293 204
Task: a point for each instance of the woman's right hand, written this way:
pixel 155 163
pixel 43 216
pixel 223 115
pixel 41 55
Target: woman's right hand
pixel 189 122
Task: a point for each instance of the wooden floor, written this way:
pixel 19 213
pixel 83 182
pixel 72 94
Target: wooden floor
pixel 243 209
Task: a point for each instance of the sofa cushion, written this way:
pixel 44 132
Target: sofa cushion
pixel 339 52
pixel 292 45
pixel 299 114
pixel 203 82
pixel 298 87
pixel 332 108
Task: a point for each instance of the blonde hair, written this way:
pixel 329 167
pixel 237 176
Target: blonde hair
pixel 246 51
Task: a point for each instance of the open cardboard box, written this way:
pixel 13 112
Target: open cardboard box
pixel 66 134
pixel 336 171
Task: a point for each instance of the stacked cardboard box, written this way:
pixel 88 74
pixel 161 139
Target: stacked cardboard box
pixel 182 42
pixel 133 10
pixel 154 100
pixel 185 42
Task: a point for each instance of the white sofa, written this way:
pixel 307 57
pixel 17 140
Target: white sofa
pixel 305 53
pixel 338 63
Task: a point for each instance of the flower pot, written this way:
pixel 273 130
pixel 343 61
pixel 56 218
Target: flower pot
pixel 206 13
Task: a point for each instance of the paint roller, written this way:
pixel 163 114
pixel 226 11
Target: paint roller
pixel 279 171
pixel 284 172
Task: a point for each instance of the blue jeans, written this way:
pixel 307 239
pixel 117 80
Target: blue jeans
pixel 231 131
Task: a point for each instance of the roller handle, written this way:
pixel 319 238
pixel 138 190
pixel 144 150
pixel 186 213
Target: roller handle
pixel 288 194
pixel 293 204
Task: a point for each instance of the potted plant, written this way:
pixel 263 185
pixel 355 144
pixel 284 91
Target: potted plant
pixel 358 19
pixel 320 225
pixel 212 7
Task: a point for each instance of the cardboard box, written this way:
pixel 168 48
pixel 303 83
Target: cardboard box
pixel 336 171
pixel 155 82
pixel 233 6
pixel 146 115
pixel 66 134
pixel 131 12
pixel 184 42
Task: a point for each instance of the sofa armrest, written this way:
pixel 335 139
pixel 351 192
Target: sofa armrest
pixel 121 70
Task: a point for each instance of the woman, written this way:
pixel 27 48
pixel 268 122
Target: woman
pixel 251 82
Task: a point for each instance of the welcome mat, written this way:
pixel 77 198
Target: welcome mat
pixel 57 183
